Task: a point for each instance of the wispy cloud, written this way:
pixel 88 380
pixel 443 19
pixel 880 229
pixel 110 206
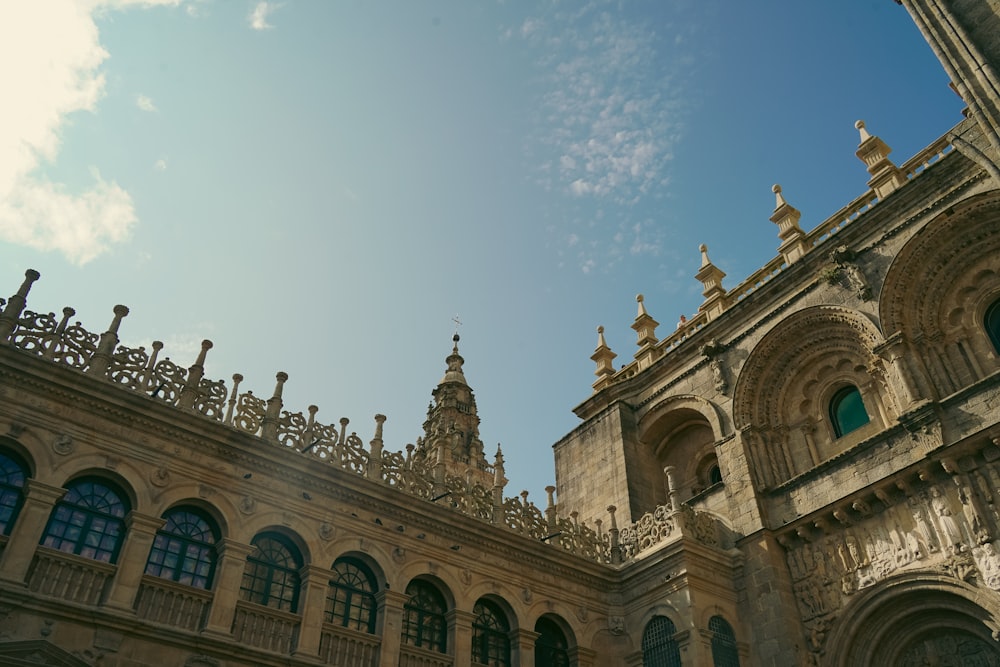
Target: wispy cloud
pixel 161 164
pixel 50 63
pixel 258 17
pixel 144 103
pixel 612 109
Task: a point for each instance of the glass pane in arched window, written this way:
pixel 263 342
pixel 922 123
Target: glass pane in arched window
pixel 89 521
pixel 271 577
pixel 847 411
pixel 423 617
pixel 12 476
pixel 992 324
pixel 659 648
pixel 551 647
pixel 350 601
pixel 724 652
pixel 490 639
pixel 184 549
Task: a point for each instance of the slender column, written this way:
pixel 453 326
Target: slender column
pixel 389 625
pixel 39 499
pixel 225 591
pixel 132 560
pixel 460 636
pixel 672 496
pixel 523 654
pixel 315 581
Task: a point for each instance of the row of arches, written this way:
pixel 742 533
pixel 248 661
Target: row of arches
pixel 90 521
pixel 660 647
pixel 827 377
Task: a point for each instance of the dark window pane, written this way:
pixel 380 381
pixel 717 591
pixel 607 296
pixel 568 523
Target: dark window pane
pixel 724 652
pixel 271 577
pixel 847 411
pixel 184 549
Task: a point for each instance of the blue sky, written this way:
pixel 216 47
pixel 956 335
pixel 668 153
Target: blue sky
pixel 320 187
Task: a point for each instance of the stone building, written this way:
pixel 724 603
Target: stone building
pixel 806 472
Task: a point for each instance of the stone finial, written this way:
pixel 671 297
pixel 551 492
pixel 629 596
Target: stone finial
pixel 786 216
pixel 645 329
pixel 859 125
pixel 885 175
pixel 15 304
pixel 711 277
pixel 603 357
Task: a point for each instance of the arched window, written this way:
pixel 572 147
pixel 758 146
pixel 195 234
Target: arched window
pixel 715 474
pixel 89 521
pixel 184 549
pixel 992 323
pixel 724 652
pixel 490 640
pixel 350 601
pixel 551 647
pixel 423 617
pixel 12 476
pixel 847 411
pixel 659 648
pixel 271 577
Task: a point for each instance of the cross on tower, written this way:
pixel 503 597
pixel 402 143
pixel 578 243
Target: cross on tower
pixel 457 322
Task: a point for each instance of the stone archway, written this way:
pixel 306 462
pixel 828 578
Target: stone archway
pixel 917 620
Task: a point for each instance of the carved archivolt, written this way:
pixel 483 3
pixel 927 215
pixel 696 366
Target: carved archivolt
pixel 936 293
pixel 782 394
pixel 934 260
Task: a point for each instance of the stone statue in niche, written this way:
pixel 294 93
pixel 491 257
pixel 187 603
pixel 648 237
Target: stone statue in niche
pixel 922 528
pixel 973 515
pixel 951 534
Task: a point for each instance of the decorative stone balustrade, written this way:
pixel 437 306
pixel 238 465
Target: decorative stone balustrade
pixel 68 577
pixel 343 646
pixel 166 602
pixel 412 656
pixel 265 628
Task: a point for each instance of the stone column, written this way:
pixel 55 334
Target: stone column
pixel 226 587
pixel 39 499
pixel 315 582
pixel 523 647
pixel 132 560
pixel 672 496
pixel 389 625
pixel 460 636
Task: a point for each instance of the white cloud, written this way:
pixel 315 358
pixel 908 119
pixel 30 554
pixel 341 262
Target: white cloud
pixel 161 164
pixel 260 13
pixel 144 103
pixel 612 105
pixel 50 59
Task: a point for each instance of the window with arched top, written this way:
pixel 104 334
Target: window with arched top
pixel 490 635
pixel 13 474
pixel 89 521
pixel 659 648
pixel 724 651
pixel 184 548
pixel 847 411
pixel 424 622
pixel 551 647
pixel 350 600
pixel 271 577
pixel 992 323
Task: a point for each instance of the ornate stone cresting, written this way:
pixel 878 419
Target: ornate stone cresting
pixel 447 465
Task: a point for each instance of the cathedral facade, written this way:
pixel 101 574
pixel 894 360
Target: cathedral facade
pixel 807 472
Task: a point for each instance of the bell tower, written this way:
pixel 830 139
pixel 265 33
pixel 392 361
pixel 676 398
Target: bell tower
pixel 451 430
